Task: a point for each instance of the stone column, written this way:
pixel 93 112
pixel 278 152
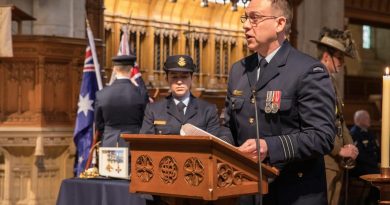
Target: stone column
pixel 312 16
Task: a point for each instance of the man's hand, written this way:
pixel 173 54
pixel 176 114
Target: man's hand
pixel 249 147
pixel 349 151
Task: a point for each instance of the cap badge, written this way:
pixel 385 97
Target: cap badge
pixel 181 62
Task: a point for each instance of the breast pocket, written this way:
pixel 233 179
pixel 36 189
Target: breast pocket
pixel 276 117
pixel 285 105
pixel 236 103
pixel 162 129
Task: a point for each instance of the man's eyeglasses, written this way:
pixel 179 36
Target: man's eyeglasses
pixel 255 19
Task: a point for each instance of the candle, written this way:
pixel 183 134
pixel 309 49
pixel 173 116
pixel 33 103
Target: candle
pixel 385 120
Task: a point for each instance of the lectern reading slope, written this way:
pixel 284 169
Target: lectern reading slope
pixel 199 167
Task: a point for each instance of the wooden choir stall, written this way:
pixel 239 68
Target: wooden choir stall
pixel 193 169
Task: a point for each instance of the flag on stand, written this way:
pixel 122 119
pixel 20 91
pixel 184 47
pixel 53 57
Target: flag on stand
pixel 83 133
pixel 124 48
pixel 135 75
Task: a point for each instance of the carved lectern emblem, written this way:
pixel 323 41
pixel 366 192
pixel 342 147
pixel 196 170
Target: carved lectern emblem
pixel 224 174
pixel 193 171
pixel 168 170
pixel 228 176
pixel 144 168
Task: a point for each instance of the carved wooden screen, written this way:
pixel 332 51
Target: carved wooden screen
pixel 223 49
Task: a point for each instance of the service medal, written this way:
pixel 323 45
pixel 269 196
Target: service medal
pixel 268 108
pixel 268 102
pixel 275 108
pixel 276 96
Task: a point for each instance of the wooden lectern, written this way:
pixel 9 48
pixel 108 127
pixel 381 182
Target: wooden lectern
pixel 196 167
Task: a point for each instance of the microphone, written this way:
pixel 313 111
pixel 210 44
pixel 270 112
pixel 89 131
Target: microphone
pixel 258 147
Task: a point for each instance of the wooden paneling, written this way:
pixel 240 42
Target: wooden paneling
pixel 40 84
pixel 360 88
pixel 373 12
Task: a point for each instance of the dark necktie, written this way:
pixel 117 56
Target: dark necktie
pixel 180 107
pixel 262 64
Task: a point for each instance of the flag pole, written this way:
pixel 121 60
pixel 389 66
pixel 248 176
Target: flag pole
pixel 94 56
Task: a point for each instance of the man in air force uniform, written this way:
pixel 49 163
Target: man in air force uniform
pixel 120 106
pixel 295 106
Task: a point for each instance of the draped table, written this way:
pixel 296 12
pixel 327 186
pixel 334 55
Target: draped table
pixel 76 191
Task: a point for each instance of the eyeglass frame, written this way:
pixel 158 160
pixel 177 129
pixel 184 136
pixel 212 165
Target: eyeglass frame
pixel 258 19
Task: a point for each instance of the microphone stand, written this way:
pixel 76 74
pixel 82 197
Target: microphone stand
pixel 258 149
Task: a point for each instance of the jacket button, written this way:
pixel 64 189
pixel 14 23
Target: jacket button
pixel 253 100
pixel 300 174
pixel 159 132
pixel 251 120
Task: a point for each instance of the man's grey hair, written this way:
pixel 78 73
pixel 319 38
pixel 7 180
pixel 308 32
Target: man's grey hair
pixel 285 8
pixel 359 116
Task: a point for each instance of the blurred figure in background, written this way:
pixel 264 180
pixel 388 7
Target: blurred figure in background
pixel 367 161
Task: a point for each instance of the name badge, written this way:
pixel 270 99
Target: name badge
pixel 160 122
pixel 237 92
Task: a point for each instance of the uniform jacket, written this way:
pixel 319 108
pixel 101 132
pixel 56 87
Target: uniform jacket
pixel 162 117
pixel 333 160
pixel 299 133
pixel 368 158
pixel 119 108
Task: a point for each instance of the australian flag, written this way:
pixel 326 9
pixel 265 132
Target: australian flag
pixel 83 133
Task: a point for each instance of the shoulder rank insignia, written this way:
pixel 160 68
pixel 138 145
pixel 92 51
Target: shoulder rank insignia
pixel 272 103
pixel 160 122
pixel 318 70
pixel 237 92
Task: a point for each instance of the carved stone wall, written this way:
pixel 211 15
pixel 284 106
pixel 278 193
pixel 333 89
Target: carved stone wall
pixel 28 179
pixel 39 89
pixel 59 18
